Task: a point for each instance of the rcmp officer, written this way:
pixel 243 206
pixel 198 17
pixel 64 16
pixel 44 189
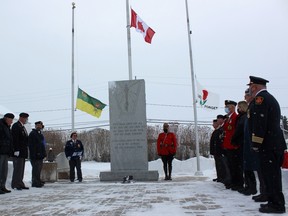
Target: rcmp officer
pixel 267 138
pixel 166 148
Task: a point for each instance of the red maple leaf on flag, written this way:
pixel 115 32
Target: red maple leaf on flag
pixel 140 27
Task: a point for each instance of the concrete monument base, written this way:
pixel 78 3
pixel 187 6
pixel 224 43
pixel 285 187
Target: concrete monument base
pixel 137 175
pixel 49 172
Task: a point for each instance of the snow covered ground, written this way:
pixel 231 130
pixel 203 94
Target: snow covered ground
pixel 186 194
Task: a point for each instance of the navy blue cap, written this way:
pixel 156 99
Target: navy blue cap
pixel 230 102
pixel 257 80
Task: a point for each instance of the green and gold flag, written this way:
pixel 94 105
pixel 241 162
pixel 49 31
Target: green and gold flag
pixel 88 104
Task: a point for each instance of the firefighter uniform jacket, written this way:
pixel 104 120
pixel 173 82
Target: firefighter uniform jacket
pixel 264 123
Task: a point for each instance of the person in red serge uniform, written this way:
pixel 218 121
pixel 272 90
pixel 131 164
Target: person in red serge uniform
pixel 166 148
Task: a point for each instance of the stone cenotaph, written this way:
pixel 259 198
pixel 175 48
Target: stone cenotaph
pixel 128 132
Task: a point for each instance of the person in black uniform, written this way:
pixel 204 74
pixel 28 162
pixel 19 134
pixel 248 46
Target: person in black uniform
pixel 213 141
pixel 74 152
pixel 5 149
pixel 239 138
pixel 223 169
pixel 37 153
pixel 267 138
pixel 20 146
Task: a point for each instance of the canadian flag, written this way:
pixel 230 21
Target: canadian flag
pixel 141 27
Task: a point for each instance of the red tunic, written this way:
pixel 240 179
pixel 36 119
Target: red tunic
pixel 229 129
pixel 166 144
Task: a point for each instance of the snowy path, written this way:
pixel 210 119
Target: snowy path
pixel 184 195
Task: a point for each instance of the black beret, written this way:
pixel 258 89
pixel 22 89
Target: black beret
pixel 230 102
pixel 9 115
pixel 214 120
pixel 38 122
pixel 220 116
pixel 257 80
pixel 24 115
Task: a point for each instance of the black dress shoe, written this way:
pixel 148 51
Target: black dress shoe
pixel 2 192
pixel 228 186
pixel 250 192
pixel 236 187
pixel 5 190
pixel 242 190
pixel 264 205
pixel 37 186
pixel 25 188
pixel 17 188
pixel 262 198
pixel 256 196
pixel 272 209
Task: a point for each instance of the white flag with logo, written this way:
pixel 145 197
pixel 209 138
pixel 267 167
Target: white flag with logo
pixel 206 98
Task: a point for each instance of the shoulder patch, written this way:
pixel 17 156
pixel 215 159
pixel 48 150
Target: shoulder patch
pixel 259 100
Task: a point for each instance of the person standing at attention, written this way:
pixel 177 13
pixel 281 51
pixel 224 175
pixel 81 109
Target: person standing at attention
pixel 20 148
pixel 267 139
pixel 74 152
pixel 166 148
pixel 232 152
pixel 37 153
pixel 5 149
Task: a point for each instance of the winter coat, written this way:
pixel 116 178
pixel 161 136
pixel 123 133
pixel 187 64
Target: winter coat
pixel 36 145
pixel 216 142
pixel 166 144
pixel 6 147
pixel 238 136
pixel 251 160
pixel 264 123
pixel 20 140
pixel 74 150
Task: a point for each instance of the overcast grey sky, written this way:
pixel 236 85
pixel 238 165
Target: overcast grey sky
pixel 231 40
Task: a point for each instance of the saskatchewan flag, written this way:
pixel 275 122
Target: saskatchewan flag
pixel 88 104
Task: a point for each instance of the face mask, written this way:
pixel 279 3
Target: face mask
pixel 226 110
pixel 165 130
pixel 250 90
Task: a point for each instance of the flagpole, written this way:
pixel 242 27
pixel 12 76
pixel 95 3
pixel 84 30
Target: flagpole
pixel 129 40
pixel 198 172
pixel 72 85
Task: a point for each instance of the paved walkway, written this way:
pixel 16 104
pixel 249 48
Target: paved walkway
pixel 182 196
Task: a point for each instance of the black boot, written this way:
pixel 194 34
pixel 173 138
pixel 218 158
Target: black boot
pixel 165 171
pixel 251 184
pixel 170 171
